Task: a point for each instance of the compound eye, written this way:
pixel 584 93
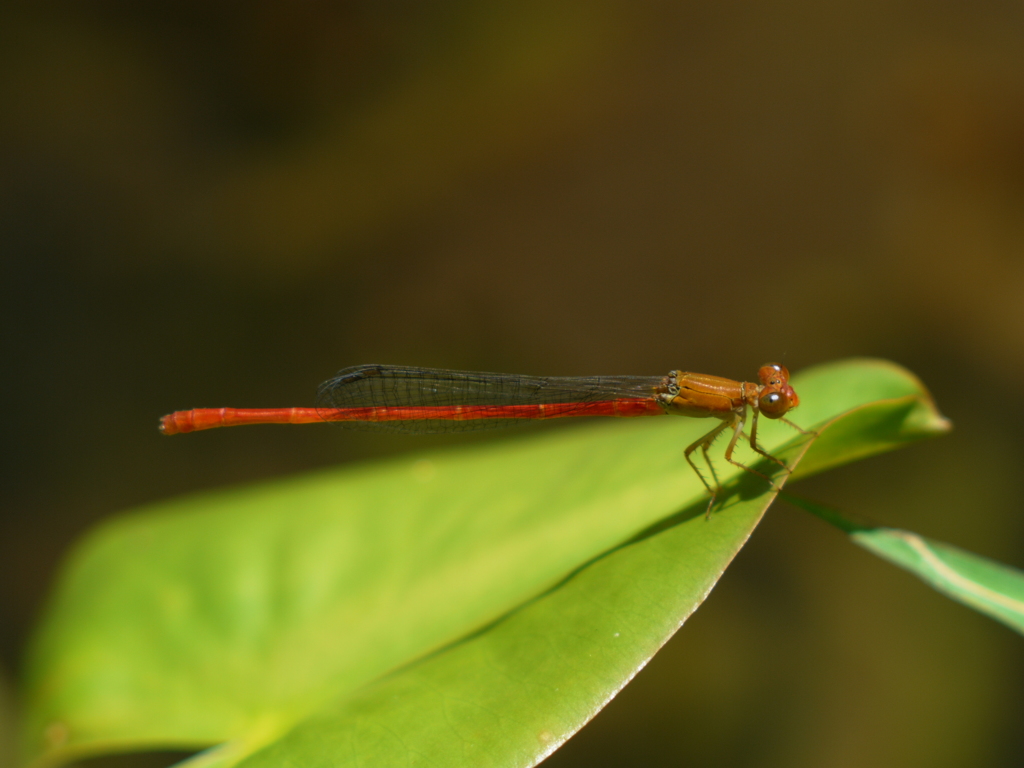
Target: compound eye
pixel 773 374
pixel 774 404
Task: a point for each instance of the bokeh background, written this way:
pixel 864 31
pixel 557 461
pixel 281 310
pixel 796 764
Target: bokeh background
pixel 222 203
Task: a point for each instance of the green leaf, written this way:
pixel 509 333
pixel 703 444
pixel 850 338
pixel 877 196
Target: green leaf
pixel 985 585
pixel 467 607
pixel 512 694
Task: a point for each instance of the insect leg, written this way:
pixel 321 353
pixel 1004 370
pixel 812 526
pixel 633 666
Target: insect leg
pixel 704 443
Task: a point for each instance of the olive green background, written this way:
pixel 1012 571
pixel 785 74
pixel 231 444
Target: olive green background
pixel 223 203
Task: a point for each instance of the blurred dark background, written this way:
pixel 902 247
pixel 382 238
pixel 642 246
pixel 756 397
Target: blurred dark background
pixel 222 203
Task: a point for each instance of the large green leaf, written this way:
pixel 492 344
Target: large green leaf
pixel 470 607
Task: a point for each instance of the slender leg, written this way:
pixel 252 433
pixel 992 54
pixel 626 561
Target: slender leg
pixel 737 423
pixel 704 443
pixel 801 430
pixel 746 437
pixel 753 437
pixel 757 449
pixel 711 465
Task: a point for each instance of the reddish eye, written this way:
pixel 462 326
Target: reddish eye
pixel 773 374
pixel 794 401
pixel 774 404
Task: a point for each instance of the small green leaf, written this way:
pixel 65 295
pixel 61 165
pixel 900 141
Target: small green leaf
pixel 989 587
pixel 470 607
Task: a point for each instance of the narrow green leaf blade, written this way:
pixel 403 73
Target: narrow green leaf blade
pixel 989 587
pixel 985 585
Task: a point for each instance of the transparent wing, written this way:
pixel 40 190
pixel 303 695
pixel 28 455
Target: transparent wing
pixel 468 400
